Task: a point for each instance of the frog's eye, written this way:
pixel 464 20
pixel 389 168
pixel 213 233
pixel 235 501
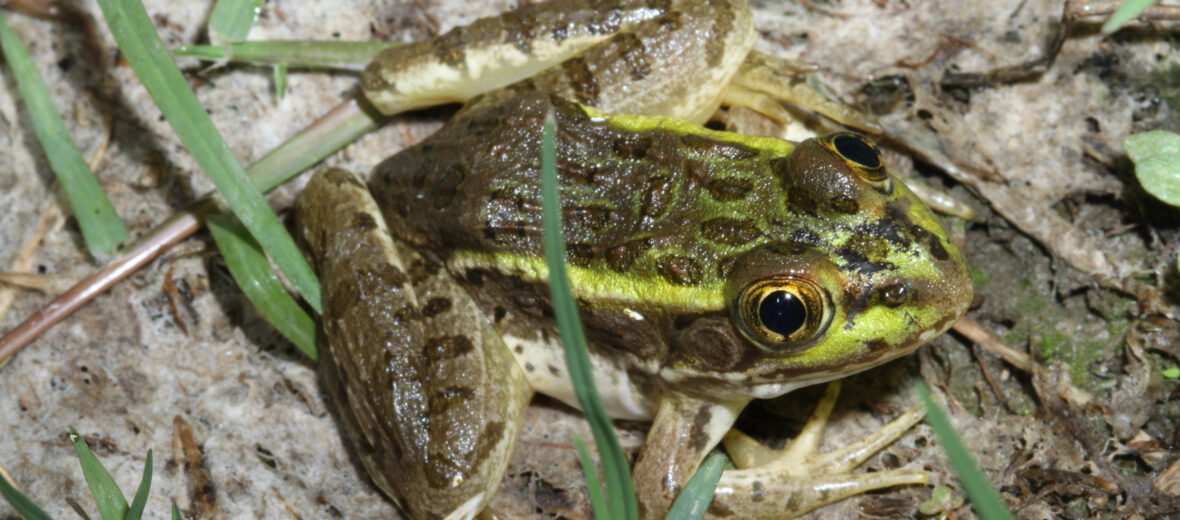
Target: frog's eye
pixel 861 155
pixel 783 313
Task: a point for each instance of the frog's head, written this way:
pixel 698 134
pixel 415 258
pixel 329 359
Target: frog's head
pixel 862 275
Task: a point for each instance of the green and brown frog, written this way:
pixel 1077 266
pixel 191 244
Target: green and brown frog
pixel 710 268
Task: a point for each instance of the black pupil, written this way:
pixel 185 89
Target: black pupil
pixel 855 149
pixel 782 313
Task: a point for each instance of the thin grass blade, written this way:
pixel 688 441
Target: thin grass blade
pixel 141 493
pixel 279 76
pixel 984 499
pixel 231 20
pixel 145 52
pixel 693 501
pixel 620 491
pixel 175 512
pixel 298 54
pixel 107 496
pixel 20 502
pixel 252 272
pixel 101 228
pixel 1125 13
pixel 593 486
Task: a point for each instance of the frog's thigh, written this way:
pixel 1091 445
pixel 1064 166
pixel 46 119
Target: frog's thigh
pixel 763 81
pixel 492 52
pixel 434 399
pixel 792 481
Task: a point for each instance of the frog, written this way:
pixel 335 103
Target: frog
pixel 709 268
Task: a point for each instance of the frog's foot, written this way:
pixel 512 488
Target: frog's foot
pixel 763 81
pixel 796 479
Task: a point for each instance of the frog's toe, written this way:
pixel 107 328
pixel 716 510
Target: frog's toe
pixel 797 478
pixel 763 80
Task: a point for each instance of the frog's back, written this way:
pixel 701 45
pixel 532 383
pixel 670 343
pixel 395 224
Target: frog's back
pixel 669 201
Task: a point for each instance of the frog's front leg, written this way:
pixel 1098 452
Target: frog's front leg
pixel 685 429
pixel 768 483
pixel 796 479
pixel 430 396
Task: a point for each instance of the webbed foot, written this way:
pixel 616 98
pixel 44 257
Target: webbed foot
pixel 791 481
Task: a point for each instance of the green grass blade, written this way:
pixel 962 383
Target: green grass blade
pixel 693 501
pixel 984 499
pixel 299 54
pixel 279 76
pixel 593 486
pixel 250 269
pixel 107 496
pixel 101 228
pixel 231 20
pixel 141 493
pixel 175 512
pixel 620 490
pixel 313 144
pixel 20 502
pixel 1125 13
pixel 145 52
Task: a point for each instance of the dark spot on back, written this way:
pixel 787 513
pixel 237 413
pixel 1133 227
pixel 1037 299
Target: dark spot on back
pixel 757 491
pixel 807 237
pixel 442 401
pixel 442 348
pixel 670 21
pixel 680 270
pixel 621 257
pixel 861 264
pixel 579 254
pixel 554 370
pixel 936 249
pixel 435 306
pixel 595 218
pixel 498 315
pixel 634 147
pixel 729 189
pixel 518 29
pixel 657 197
pixel 362 222
pixel 725 267
pixel 422 269
pixel 729 231
pixel 581 80
pixel 633 55
pixel 451 48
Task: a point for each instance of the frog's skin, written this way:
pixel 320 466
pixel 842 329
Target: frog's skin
pixel 678 240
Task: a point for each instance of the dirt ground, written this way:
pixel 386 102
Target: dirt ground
pixel 1073 264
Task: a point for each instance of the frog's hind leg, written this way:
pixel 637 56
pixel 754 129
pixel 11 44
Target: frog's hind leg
pixel 431 398
pixel 763 81
pixel 788 482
